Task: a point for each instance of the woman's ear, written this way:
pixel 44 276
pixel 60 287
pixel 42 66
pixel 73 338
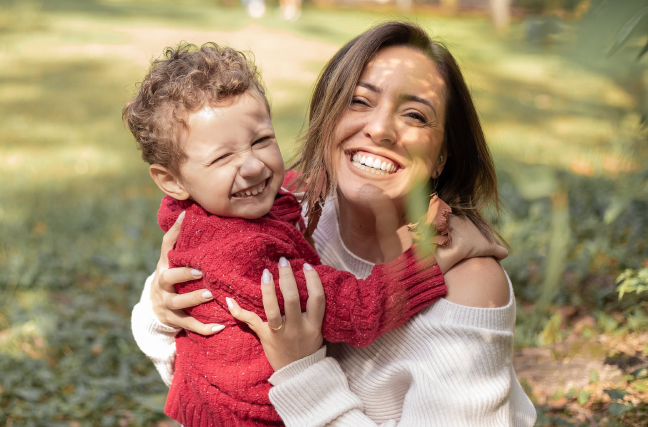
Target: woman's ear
pixel 441 161
pixel 168 182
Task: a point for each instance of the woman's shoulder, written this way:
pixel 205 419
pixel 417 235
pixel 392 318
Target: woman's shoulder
pixel 478 282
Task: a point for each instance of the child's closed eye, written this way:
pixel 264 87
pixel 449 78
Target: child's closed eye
pixel 263 141
pixel 220 159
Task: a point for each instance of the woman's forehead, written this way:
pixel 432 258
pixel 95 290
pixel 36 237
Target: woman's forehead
pixel 401 68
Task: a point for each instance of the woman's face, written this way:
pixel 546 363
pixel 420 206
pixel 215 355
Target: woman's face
pixel 392 133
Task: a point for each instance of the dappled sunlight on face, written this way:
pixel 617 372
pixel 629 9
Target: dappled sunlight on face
pixel 392 134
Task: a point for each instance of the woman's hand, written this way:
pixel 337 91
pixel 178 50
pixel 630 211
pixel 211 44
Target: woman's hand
pixel 167 304
pixel 467 242
pixel 295 335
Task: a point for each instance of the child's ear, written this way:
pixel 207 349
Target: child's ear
pixel 168 182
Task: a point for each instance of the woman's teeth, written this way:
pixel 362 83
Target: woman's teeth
pixel 373 165
pixel 251 191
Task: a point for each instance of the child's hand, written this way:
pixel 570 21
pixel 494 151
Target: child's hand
pixel 467 242
pixel 168 306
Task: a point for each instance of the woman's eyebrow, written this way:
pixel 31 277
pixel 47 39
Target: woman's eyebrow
pixel 408 97
pixel 370 87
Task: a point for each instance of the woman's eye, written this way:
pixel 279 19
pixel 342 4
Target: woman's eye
pixel 416 116
pixel 359 101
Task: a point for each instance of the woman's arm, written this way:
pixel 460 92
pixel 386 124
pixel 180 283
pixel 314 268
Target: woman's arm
pixel 474 386
pixel 159 315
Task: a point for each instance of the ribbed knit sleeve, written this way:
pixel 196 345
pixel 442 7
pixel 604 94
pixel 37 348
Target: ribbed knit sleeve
pixel 359 311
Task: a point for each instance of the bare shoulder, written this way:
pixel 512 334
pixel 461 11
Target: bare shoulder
pixel 478 282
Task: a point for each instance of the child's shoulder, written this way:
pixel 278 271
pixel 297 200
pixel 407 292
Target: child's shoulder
pixel 287 208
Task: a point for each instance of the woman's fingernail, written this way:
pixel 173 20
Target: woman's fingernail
pixel 181 216
pixel 229 303
pixel 196 273
pixel 218 328
pixel 266 277
pixel 283 262
pixel 308 267
pixel 207 295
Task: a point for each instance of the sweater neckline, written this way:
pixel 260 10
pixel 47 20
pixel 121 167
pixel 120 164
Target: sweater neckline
pixel 329 236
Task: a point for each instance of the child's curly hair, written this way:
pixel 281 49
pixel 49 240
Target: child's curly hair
pixel 183 81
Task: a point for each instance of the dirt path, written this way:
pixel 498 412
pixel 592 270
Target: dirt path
pixel 280 54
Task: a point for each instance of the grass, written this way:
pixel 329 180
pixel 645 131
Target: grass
pixel 78 232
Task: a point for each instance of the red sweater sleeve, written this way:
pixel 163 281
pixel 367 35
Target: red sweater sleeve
pixel 359 311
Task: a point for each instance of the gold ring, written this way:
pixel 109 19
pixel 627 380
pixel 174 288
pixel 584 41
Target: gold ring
pixel 275 329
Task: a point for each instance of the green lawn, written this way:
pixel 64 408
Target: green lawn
pixel 78 232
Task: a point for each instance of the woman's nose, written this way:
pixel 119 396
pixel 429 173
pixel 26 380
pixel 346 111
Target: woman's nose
pixel 251 166
pixel 381 128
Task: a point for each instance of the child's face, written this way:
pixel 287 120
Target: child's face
pixel 234 167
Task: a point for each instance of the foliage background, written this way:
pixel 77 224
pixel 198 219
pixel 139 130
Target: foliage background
pixel 78 233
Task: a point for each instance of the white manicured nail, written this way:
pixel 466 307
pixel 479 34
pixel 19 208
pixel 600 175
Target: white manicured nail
pixel 229 303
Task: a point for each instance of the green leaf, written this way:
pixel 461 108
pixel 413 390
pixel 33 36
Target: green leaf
pixel 624 32
pixel 615 393
pixel 594 376
pixel 571 393
pixel 618 408
pixel 643 51
pixel 641 373
pixel 640 385
pixel 583 397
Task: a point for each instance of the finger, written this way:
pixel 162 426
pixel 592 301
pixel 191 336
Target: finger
pixel 252 319
pixel 270 303
pixel 170 277
pixel 500 252
pixel 190 299
pixel 171 236
pixel 288 286
pixel 187 322
pixel 316 303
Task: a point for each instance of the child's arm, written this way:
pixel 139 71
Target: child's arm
pixel 359 311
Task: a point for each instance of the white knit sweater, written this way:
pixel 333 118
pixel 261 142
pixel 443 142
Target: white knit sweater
pixel 450 365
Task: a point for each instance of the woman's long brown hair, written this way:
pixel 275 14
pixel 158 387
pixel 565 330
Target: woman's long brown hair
pixel 468 182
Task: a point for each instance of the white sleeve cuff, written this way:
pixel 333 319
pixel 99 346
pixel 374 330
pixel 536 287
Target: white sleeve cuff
pixel 312 391
pixel 154 338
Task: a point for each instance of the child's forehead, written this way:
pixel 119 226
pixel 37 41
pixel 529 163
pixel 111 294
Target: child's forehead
pixel 228 122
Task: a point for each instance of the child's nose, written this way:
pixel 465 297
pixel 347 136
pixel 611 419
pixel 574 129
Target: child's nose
pixel 251 166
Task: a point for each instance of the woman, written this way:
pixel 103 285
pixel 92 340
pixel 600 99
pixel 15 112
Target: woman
pixel 394 95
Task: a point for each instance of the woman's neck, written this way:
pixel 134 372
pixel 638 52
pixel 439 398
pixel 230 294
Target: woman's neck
pixel 378 239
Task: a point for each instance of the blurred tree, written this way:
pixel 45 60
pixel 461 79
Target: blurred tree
pixel 501 14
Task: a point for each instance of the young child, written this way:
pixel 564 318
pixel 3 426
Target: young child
pixel 202 121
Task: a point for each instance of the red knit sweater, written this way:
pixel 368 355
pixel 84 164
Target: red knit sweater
pixel 221 380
